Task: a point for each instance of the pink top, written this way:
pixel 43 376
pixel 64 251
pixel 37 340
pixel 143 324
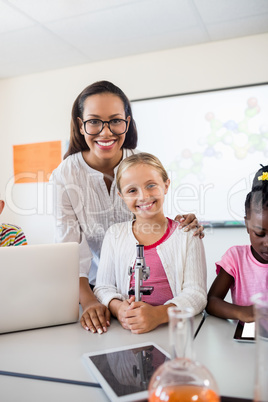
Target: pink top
pixel 158 278
pixel 250 276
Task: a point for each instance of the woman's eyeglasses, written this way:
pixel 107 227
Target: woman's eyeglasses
pixel 95 126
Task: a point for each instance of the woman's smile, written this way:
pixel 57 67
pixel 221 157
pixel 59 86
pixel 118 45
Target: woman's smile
pixel 105 144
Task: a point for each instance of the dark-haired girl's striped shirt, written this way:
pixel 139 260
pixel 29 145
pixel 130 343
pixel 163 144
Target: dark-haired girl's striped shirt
pixel 11 235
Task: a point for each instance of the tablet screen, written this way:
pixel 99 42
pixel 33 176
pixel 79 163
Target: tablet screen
pixel 245 332
pixel 126 371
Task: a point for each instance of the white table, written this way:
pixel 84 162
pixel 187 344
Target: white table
pixel 57 352
pixel 25 390
pixel 232 363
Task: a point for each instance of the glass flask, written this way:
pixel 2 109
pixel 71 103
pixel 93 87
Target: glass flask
pixel 182 378
pixel 260 302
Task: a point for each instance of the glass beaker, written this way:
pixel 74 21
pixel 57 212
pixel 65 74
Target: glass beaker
pixel 260 302
pixel 182 378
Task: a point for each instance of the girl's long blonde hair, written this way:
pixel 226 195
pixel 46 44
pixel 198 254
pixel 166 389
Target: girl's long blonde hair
pixel 137 159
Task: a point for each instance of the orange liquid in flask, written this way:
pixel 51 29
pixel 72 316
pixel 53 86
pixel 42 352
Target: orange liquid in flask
pixel 184 393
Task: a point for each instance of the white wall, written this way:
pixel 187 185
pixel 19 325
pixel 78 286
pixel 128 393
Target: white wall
pixel 37 108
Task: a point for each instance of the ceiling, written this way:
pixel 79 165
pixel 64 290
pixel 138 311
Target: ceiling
pixel 39 35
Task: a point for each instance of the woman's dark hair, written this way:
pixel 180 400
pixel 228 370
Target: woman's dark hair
pixel 258 196
pixel 77 140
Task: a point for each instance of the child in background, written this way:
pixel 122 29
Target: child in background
pixel 244 269
pixel 10 235
pixel 176 258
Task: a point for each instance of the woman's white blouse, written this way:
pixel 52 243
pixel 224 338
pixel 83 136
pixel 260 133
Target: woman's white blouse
pixel 84 209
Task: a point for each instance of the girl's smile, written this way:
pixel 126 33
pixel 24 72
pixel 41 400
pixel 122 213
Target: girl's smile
pixel 146 206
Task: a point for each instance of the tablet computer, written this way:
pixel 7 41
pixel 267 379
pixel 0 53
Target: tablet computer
pixel 124 373
pixel 245 332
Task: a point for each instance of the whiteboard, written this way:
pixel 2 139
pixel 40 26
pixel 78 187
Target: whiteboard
pixel 211 144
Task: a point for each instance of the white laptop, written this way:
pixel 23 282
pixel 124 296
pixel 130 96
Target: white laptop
pixel 39 286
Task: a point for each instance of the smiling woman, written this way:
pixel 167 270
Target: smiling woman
pixel 85 197
pixel 104 145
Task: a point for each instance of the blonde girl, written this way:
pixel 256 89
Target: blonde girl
pixel 176 258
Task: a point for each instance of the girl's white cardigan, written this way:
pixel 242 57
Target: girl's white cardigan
pixel 182 256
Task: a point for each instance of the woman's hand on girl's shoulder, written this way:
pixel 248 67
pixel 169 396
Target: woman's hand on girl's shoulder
pixel 189 222
pixel 96 318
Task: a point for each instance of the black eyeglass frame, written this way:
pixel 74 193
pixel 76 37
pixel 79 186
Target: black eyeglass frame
pixel 103 123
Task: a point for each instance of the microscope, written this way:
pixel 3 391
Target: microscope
pixel 141 273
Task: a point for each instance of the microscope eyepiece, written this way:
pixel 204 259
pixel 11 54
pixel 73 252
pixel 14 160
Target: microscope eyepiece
pixel 140 250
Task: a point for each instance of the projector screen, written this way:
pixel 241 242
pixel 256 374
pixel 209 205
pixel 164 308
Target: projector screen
pixel 211 144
